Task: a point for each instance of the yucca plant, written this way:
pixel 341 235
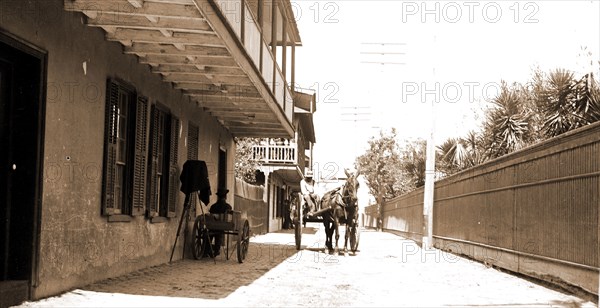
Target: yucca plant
pixel 413 162
pixel 587 99
pixel 507 127
pixel 557 102
pixel 473 143
pixel 452 156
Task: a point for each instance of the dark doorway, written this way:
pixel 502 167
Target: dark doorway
pixel 21 122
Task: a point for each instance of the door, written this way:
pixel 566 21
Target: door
pixel 20 160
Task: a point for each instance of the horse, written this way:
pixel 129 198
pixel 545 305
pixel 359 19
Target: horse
pixel 339 206
pixel 350 198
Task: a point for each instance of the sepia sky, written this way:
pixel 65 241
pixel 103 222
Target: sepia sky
pixel 452 53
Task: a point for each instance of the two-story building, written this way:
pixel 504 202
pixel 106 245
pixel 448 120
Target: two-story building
pixel 285 161
pixel 101 103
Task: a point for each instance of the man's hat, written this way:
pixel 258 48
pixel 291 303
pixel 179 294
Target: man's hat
pixel 222 191
pixel 309 174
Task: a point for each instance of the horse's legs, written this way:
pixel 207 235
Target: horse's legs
pixel 336 226
pixel 328 234
pixel 346 236
pixel 346 233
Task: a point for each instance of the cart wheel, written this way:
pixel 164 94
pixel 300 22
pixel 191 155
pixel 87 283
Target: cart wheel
pixel 243 242
pixel 354 238
pixel 298 227
pixel 201 238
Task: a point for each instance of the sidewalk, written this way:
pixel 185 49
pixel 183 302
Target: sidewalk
pixel 388 271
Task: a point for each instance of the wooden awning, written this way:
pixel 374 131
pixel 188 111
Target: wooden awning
pixel 191 45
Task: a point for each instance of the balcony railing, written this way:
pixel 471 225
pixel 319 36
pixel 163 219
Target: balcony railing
pixel 276 154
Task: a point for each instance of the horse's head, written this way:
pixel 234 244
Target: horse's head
pixel 350 190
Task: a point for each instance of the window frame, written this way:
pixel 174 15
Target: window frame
pixel 163 191
pixel 131 201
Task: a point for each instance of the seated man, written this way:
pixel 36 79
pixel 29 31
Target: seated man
pixel 307 186
pixel 220 207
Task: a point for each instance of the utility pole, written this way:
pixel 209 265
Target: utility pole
pixel 429 174
pixel 429 186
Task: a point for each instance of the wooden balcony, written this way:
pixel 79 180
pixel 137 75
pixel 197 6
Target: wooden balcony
pixel 275 154
pixel 278 155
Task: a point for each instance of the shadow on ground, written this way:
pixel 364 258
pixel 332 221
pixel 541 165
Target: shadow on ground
pixel 199 278
pixel 305 230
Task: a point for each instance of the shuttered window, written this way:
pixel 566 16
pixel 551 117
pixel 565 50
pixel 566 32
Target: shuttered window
pixel 173 168
pixel 163 174
pixel 141 145
pixel 141 151
pixel 125 142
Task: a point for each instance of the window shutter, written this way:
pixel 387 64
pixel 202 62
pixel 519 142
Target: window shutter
pixel 173 168
pixel 153 163
pixel 141 151
pixel 110 149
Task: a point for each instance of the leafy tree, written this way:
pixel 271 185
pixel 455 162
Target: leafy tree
pixel 245 164
pixel 381 167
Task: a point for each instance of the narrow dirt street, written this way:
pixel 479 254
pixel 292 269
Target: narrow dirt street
pixel 387 271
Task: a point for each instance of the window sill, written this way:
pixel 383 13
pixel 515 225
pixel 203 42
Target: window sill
pixel 119 218
pixel 158 220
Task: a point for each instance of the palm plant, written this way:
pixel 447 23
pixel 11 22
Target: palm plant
pixel 507 127
pixel 567 103
pixel 457 154
pixel 557 103
pixel 475 147
pixel 452 156
pixel 413 162
pixel 587 99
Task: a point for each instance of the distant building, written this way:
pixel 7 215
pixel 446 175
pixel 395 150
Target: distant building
pixel 285 161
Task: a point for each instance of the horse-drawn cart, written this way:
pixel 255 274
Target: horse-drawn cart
pixel 208 226
pixel 338 206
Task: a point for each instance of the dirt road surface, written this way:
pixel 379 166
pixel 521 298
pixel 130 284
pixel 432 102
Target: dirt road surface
pixel 387 271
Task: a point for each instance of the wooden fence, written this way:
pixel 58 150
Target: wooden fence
pixel 534 211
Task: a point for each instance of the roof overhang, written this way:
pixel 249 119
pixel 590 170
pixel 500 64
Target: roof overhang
pixel 305 105
pixel 305 101
pixel 307 125
pixel 291 175
pixel 190 44
pixel 295 33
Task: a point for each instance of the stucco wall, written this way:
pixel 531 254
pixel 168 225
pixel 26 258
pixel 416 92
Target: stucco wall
pixel 78 245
